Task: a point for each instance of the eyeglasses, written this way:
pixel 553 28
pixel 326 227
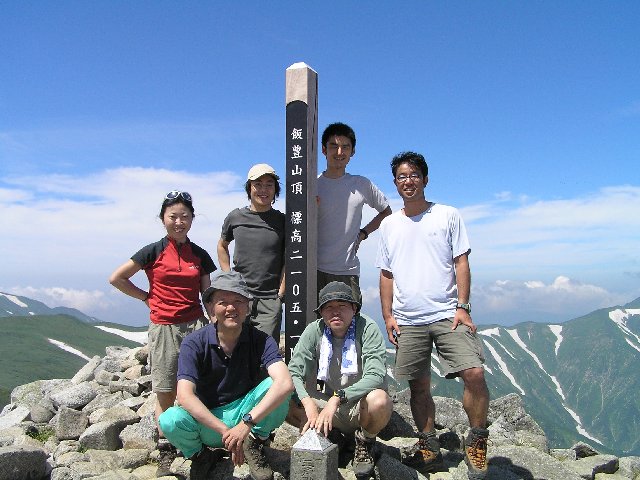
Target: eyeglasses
pixel 403 178
pixel 173 194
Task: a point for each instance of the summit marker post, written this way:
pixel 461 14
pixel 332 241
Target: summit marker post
pixel 301 209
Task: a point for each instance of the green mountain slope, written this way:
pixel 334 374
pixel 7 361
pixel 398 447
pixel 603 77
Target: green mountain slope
pixel 28 355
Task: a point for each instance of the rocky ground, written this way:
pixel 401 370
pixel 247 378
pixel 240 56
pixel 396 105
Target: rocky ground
pixel 99 425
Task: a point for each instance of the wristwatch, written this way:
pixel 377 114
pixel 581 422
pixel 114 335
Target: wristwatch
pixel 248 419
pixel 341 395
pixel 464 306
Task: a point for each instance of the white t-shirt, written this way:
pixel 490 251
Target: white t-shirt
pixel 339 217
pixel 419 252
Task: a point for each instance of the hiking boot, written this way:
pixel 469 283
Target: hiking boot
pixel 168 454
pixel 475 453
pixel 203 461
pixel 253 449
pixel 363 461
pixel 427 457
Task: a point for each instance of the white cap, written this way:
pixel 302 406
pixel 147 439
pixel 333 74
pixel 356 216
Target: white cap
pixel 261 169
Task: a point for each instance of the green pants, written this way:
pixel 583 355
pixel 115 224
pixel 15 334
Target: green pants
pixel 186 434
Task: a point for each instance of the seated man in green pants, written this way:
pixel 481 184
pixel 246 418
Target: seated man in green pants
pixel 222 402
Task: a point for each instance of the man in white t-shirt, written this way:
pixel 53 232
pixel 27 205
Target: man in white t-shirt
pixel 425 283
pixel 342 197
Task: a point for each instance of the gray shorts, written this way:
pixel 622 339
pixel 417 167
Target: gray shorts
pixel 353 281
pixel 266 315
pixel 346 418
pixel 457 350
pixel 164 347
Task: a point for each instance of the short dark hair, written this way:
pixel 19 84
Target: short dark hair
pixel 247 188
pixel 339 129
pixel 412 158
pixel 179 199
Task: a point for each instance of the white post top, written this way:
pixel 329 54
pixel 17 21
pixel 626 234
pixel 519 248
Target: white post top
pixel 301 65
pixel 301 84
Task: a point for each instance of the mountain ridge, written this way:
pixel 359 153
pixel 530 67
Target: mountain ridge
pixel 577 378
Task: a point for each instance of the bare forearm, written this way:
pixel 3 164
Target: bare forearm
pixel 224 259
pixel 463 278
pixel 374 224
pixel 386 294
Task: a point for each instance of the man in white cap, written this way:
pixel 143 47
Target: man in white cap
pixel 222 396
pixel 258 231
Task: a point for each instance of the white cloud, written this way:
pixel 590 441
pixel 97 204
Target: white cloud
pixel 83 300
pixel 562 299
pixel 547 260
pixel 65 234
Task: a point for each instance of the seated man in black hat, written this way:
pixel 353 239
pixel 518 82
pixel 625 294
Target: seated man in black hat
pixel 346 352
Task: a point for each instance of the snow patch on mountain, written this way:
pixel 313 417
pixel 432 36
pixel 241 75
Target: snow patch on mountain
pixel 557 331
pixel 14 299
pixel 68 348
pixel 503 366
pixel 138 337
pixel 619 317
pixel 521 344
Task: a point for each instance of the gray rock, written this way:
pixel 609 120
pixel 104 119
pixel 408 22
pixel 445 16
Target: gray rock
pixel 563 454
pixel 389 468
pixel 87 469
pixel 64 473
pixel 149 406
pixel 14 415
pixel 584 450
pixel 313 457
pixel 142 354
pixel 117 413
pixel 70 424
pixel 106 400
pixel 629 466
pixel 86 373
pixel 18 463
pixel 66 446
pixel 69 458
pixel 529 463
pixel 145 382
pixel 27 395
pixel 587 467
pixel 104 377
pixel 130 386
pixel 118 351
pixel 509 410
pixel 102 436
pixel 134 372
pixel 76 396
pixel 120 459
pixel 134 403
pixel 110 365
pixel 43 411
pixel 143 434
pixel 610 476
pixel 116 475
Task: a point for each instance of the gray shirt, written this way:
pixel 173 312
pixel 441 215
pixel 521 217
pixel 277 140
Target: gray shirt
pixel 259 249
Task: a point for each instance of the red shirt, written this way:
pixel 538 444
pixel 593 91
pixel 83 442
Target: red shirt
pixel 174 272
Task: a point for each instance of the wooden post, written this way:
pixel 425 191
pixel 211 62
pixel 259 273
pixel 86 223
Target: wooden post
pixel 301 208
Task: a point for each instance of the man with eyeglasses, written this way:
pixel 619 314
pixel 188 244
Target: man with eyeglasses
pixel 342 197
pixel 425 283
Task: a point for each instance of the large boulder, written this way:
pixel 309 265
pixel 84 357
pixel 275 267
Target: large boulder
pixel 22 463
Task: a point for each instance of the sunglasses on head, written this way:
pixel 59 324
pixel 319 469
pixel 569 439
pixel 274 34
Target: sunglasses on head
pixel 173 194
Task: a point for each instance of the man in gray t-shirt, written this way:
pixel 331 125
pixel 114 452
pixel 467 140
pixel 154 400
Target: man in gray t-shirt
pixel 258 231
pixel 342 197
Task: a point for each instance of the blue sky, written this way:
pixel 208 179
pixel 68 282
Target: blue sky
pixel 527 112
